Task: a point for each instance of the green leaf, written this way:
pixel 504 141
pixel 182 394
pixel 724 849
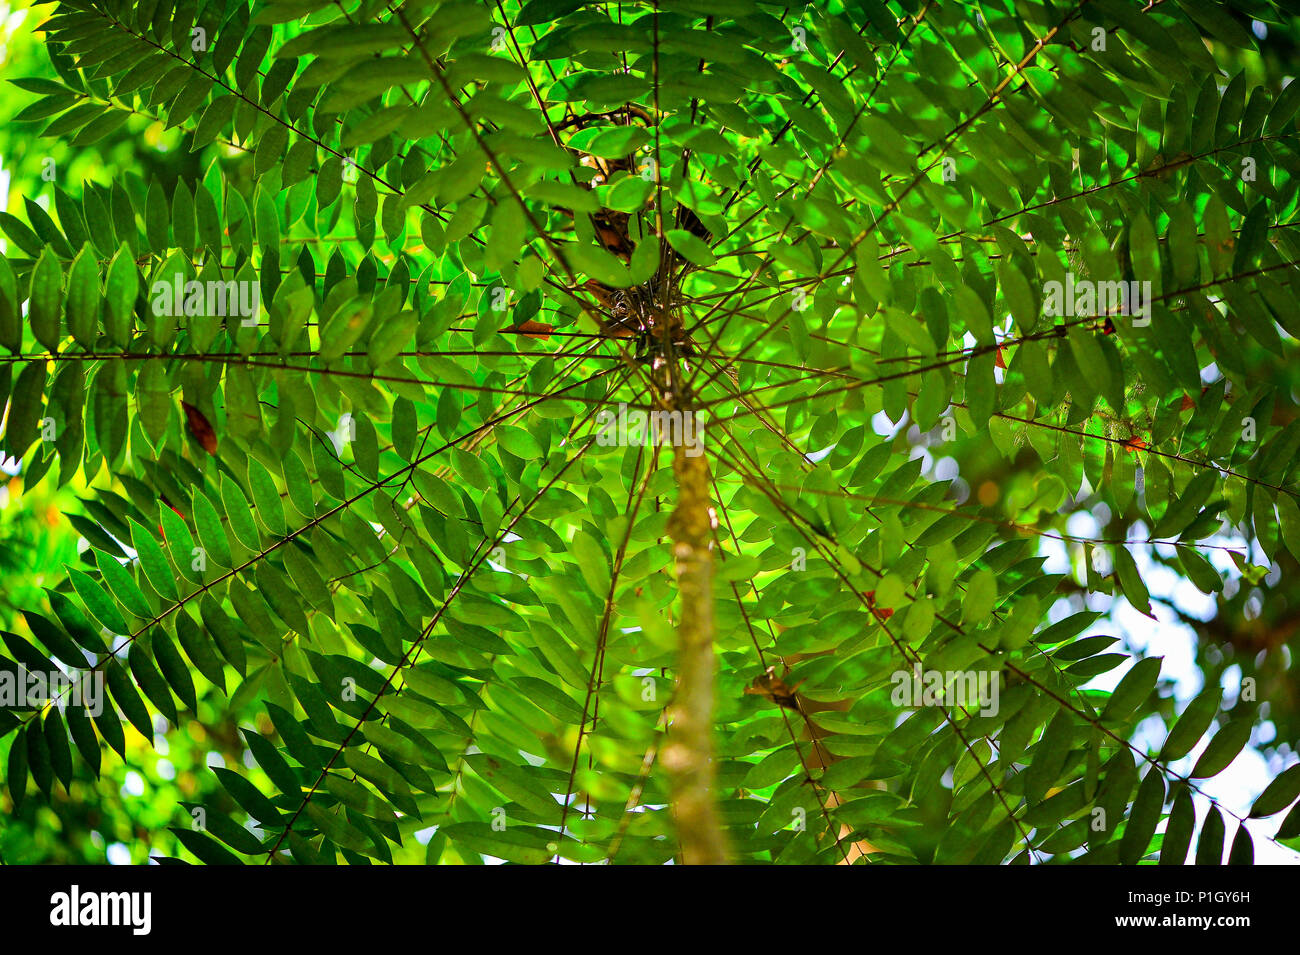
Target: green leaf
pixel 46 292
pixel 526 845
pixel 24 409
pixel 173 668
pixel 11 323
pixel 1178 834
pixel 119 580
pixel 692 248
pixel 249 797
pixel 153 562
pixel 199 648
pixel 214 120
pixel 981 594
pixel 1193 723
pixel 99 603
pixel 84 298
pixel 55 640
pixel 1144 817
pixel 1132 690
pixel 1049 758
pixel 150 681
pixel 16 770
pixel 56 743
pixel 1223 749
pixel 126 697
pixel 1130 580
pixel 1209 847
pixel 1278 794
pixel 204 847
pixel 266 498
pixel 120 290
pixel 518 442
pixel 239 514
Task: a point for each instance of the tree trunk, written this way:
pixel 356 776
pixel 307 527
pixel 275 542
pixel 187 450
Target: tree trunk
pixel 688 755
pixel 688 752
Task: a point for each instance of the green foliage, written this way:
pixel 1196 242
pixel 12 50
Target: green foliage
pixel 325 399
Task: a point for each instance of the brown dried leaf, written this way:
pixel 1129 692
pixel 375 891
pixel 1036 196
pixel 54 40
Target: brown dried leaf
pixel 771 687
pixel 200 427
pixel 535 329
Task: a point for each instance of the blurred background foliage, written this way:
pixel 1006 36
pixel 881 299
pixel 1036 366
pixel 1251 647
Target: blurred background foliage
pixel 115 817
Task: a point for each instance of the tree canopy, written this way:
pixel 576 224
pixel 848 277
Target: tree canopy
pixel 633 432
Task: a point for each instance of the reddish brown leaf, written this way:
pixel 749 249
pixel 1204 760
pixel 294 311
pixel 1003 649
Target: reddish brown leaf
pixel 622 328
pixel 1134 444
pixel 200 428
pixel 535 329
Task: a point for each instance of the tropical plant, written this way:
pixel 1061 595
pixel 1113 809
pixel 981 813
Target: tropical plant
pixel 632 432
